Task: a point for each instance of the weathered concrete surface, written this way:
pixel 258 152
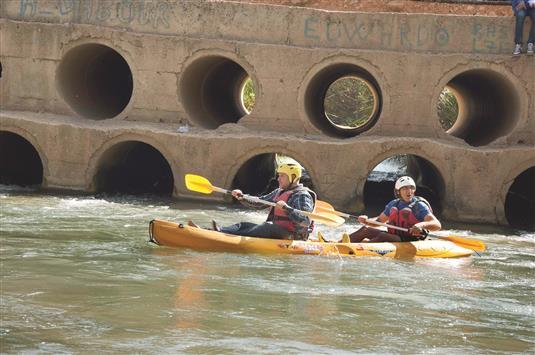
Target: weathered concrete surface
pixel 476 180
pixel 469 8
pixel 411 57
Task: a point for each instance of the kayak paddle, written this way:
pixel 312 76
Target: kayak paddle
pixel 201 184
pixel 326 207
pixel 473 244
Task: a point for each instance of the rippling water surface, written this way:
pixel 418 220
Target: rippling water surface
pixel 78 275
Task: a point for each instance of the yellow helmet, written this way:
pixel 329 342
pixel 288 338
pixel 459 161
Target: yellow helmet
pixel 291 169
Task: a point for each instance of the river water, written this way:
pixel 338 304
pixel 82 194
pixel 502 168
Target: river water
pixel 78 275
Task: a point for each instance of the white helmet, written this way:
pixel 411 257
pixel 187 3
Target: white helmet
pixel 404 181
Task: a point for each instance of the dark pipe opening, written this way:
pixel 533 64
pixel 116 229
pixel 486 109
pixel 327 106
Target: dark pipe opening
pixel 520 201
pixel 134 168
pixel 20 163
pixel 488 106
pixel 211 90
pixel 258 175
pixel 95 81
pixel 379 187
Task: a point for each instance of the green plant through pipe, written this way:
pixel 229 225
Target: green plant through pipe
pixel 350 102
pixel 248 95
pixel 447 108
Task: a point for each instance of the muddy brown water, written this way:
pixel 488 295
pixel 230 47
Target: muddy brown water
pixel 79 275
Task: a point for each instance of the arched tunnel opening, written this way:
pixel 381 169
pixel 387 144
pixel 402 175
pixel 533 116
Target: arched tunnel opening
pixel 520 201
pixel 211 90
pixel 134 168
pixel 487 106
pixel 20 163
pixel 379 186
pixel 95 81
pixel 258 176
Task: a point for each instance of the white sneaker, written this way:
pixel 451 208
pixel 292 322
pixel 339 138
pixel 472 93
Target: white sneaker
pixel 518 49
pixel 530 49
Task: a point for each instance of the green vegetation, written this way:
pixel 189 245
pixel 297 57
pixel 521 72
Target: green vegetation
pixel 349 102
pixel 248 95
pixel 448 109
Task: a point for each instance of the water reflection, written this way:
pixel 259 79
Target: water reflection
pixel 190 300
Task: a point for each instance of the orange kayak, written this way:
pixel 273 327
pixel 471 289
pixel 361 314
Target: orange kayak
pixel 183 236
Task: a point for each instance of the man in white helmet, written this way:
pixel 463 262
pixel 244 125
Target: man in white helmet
pixel 283 221
pixel 407 211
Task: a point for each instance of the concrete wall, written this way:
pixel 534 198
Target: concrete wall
pixel 186 57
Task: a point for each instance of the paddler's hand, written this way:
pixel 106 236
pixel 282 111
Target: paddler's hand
pixel 363 219
pixel 282 205
pixel 237 194
pixel 416 231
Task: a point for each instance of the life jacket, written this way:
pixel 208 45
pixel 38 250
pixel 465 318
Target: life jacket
pixel 280 217
pixel 406 217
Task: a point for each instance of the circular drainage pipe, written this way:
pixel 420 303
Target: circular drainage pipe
pixel 315 94
pixel 210 90
pixel 488 106
pixel 95 81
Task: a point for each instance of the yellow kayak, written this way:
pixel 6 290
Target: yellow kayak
pixel 183 236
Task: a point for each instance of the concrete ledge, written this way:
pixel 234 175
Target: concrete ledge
pixel 71 153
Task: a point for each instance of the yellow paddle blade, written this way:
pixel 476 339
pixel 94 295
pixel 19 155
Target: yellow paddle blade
pixel 328 219
pixel 324 206
pixel 198 184
pixel 201 184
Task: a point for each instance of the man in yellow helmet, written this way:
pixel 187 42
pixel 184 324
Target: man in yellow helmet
pixel 283 221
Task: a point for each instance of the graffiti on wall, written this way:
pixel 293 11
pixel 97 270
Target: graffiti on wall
pixel 120 12
pixel 491 38
pixel 370 32
pixel 357 33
